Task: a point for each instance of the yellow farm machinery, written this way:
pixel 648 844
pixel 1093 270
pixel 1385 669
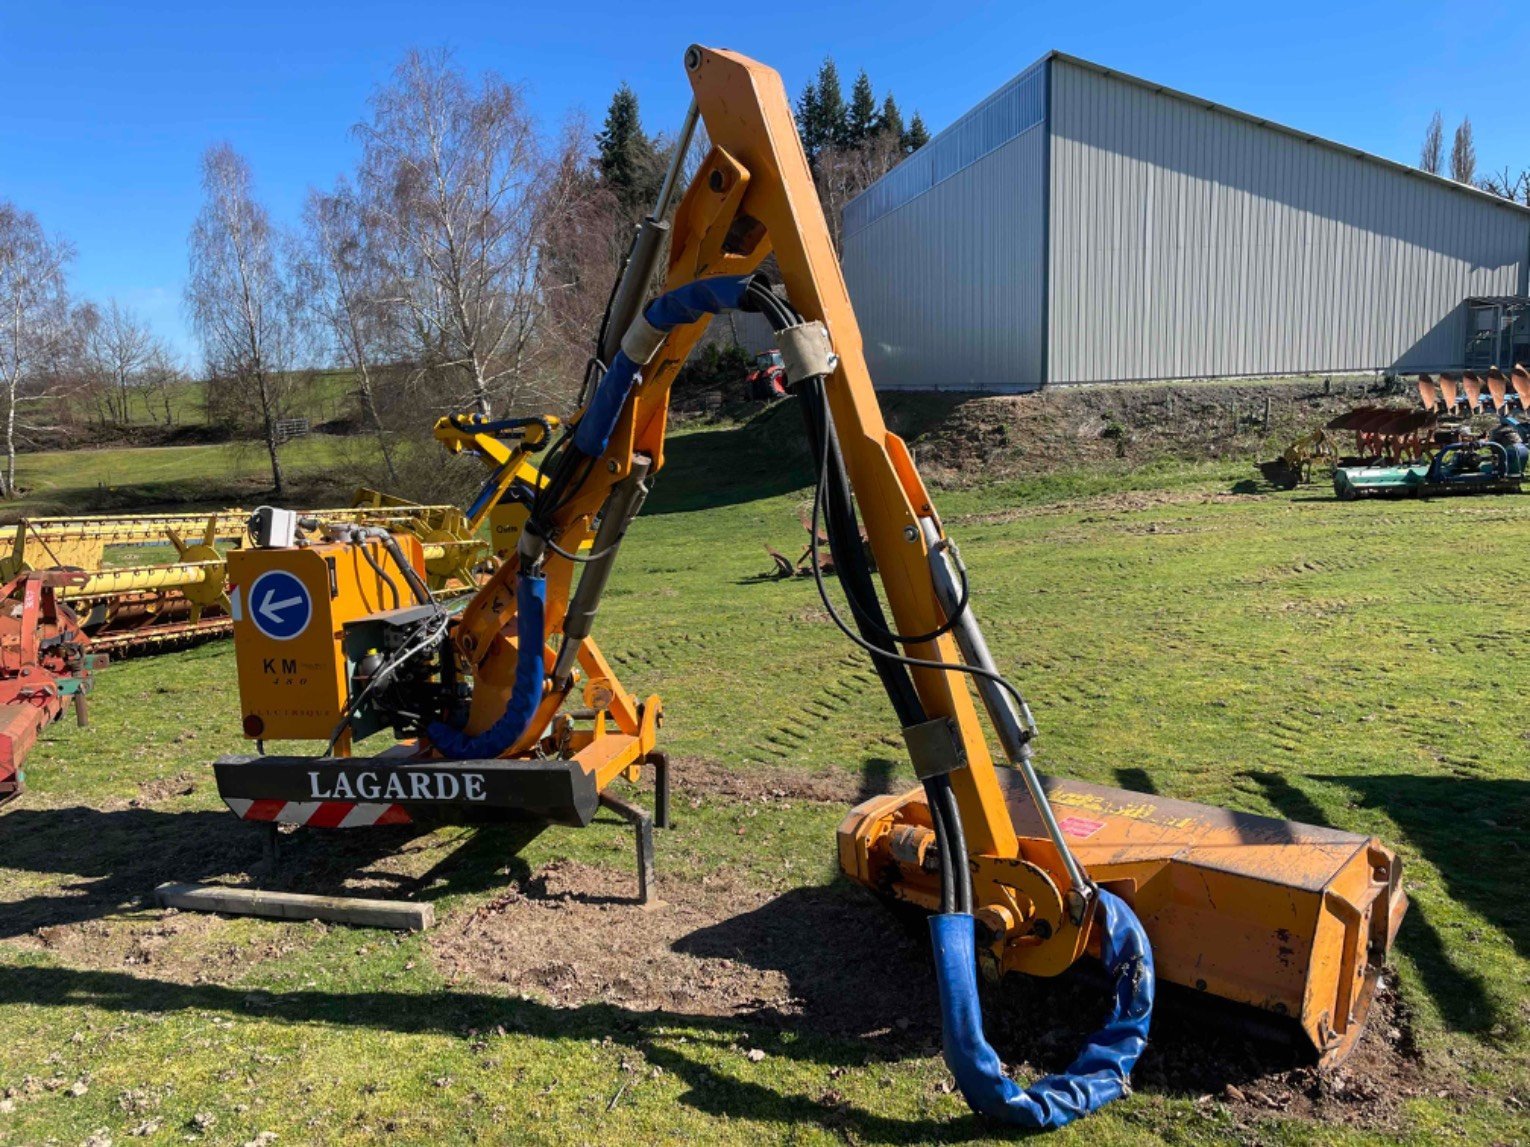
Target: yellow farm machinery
pixel 507 709
pixel 147 581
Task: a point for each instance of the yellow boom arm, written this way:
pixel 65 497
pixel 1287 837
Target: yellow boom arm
pixel 1288 918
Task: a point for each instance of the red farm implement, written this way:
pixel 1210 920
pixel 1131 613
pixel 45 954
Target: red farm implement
pixel 45 665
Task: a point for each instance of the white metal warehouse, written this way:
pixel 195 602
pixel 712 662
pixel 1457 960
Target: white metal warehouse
pixel 1081 225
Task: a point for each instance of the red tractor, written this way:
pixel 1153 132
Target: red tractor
pixel 767 381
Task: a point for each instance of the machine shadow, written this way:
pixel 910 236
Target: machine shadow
pixel 1136 780
pixel 1431 811
pixel 111 861
pixel 879 988
pixel 455 1012
pixel 862 993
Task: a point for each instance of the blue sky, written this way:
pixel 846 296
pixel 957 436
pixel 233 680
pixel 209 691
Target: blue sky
pixel 107 106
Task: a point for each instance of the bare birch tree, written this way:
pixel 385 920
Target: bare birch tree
pixel 339 279
pixel 34 318
pixel 237 297
pixel 161 377
pixel 584 233
pixel 843 172
pixel 117 348
pixel 453 173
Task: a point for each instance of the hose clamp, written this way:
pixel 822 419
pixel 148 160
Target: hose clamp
pixel 806 351
pixel 642 341
pixel 935 748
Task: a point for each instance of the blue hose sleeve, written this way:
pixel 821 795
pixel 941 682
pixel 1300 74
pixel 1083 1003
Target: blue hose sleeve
pixel 594 429
pixel 1100 1072
pixel 685 304
pixel 487 492
pixel 525 696
pixel 689 302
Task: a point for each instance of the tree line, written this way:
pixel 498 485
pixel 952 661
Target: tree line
pixel 463 264
pixel 1506 184
pixel 103 358
pixel 852 143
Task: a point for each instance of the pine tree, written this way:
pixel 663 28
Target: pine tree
pixel 832 112
pixel 861 120
pixel 626 157
pixel 891 119
pixel 808 119
pixel 916 136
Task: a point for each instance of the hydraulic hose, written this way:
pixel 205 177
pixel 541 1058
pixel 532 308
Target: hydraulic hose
pixel 1101 1071
pixel 855 573
pixel 526 694
pixel 683 305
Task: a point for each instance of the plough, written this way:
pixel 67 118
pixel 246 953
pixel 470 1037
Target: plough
pixel 1423 458
pixel 45 665
pixel 1384 433
pixel 815 555
pixel 1494 393
pixel 128 600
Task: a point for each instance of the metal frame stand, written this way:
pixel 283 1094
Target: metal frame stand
pixel 643 824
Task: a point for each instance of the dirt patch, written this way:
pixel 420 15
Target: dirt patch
pixel 717 947
pixel 1226 1057
pixel 698 776
pixel 179 947
pixel 1007 436
pixel 183 784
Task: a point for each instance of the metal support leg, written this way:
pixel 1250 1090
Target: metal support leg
pixel 272 850
pixel 643 824
pixel 660 763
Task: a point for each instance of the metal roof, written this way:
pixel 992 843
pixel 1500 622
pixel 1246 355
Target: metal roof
pixel 892 179
pixel 1307 137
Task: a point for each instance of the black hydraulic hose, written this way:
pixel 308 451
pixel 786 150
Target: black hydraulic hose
pixel 951 852
pixel 832 499
pixel 850 560
pixel 854 571
pixel 422 592
pixel 366 552
pixel 958 838
pixel 849 556
pixel 583 559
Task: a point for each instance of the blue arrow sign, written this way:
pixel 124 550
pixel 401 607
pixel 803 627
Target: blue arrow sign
pixel 279 605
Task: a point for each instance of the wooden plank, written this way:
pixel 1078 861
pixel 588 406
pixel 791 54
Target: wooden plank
pixel 297 906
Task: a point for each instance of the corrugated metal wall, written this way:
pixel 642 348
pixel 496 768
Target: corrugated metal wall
pixel 945 257
pixel 1190 242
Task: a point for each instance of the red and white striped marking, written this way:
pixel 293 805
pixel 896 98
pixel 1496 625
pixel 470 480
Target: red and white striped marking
pixel 319 814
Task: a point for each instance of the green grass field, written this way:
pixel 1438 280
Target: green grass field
pixel 1354 665
pixel 120 480
pixel 323 395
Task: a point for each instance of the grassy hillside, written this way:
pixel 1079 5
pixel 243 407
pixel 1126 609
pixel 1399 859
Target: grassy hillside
pixel 1353 665
pixel 120 480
